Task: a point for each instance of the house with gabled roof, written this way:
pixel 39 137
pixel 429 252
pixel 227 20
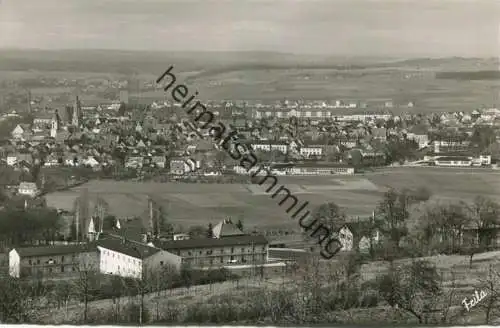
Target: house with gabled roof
pixel 226 228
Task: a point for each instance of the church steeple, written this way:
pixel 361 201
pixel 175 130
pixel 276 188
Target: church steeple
pixel 55 124
pixel 76 113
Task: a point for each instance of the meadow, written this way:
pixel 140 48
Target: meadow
pixel 199 204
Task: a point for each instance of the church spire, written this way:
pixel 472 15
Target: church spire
pixel 76 113
pixel 55 124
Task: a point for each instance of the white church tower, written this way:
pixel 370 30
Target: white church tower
pixel 54 127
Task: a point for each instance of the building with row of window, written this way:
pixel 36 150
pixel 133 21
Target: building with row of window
pixel 51 260
pixel 115 255
pixel 229 245
pixel 110 255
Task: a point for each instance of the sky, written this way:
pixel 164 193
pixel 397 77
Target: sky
pixel 435 28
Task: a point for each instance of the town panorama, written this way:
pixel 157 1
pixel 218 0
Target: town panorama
pixel 158 181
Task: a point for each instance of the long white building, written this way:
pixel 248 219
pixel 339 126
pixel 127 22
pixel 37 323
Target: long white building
pixel 132 259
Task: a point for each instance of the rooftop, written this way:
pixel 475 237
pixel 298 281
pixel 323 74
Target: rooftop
pixel 54 250
pixel 226 228
pixel 212 242
pixel 127 247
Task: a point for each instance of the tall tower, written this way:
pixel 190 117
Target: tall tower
pixel 75 121
pixel 30 110
pixel 55 124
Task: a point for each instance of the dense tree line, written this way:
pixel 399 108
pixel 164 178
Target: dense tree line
pixel 29 227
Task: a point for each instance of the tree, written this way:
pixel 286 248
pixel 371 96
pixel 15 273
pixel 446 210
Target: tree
pixel 483 137
pixel 109 222
pixel 330 215
pixel 356 158
pixel 197 231
pixel 485 214
pixel 491 285
pixel 412 288
pixel 393 210
pixel 16 302
pixel 239 225
pixel 84 284
pixel 441 227
pixel 186 276
pixel 163 226
pixel 210 232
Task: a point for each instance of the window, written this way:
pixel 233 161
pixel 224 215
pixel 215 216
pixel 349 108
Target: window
pixel 232 249
pixel 189 253
pixel 209 252
pixel 62 259
pixel 161 262
pixel 50 270
pixel 29 262
pixel 201 252
pixel 62 268
pixel 222 259
pixel 243 250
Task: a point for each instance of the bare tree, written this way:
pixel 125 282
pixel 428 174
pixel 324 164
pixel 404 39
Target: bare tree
pixel 16 300
pixel 87 273
pixel 412 288
pixel 491 285
pixel 394 211
pixel 485 214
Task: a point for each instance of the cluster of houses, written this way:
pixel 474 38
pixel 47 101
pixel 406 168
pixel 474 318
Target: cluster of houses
pixel 103 136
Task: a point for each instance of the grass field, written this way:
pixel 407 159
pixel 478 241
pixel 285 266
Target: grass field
pixel 191 204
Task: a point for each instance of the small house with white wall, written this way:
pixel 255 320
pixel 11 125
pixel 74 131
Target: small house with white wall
pixel 28 189
pixel 346 238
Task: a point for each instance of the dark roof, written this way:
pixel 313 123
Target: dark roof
pixel 55 250
pixel 127 247
pixel 212 242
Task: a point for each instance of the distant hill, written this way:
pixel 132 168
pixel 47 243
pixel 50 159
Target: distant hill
pixel 475 75
pixel 127 62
